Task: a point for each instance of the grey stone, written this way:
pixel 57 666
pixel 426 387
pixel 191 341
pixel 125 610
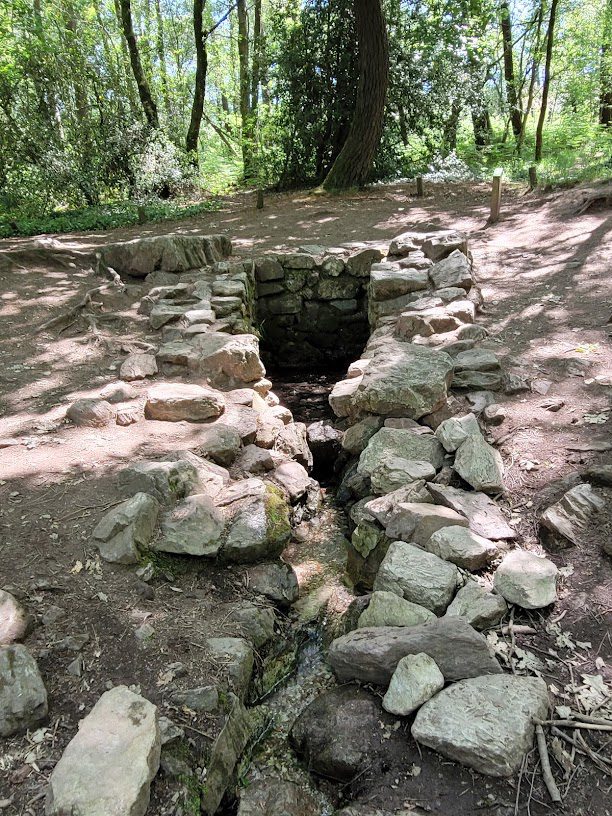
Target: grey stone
pixel 166 480
pixel 258 528
pixel 357 436
pixel 227 361
pixel 515 383
pixel 23 698
pixel 569 516
pixel 462 547
pixel 199 317
pixel 338 734
pixel 195 527
pixel 277 797
pixel 14 620
pixel 371 655
pixel 163 313
pixel 386 283
pixel 404 444
pixel 293 478
pixel 126 528
pixel 426 322
pixel 137 366
pixel 393 472
pixel 174 402
pixel 224 306
pixel 478 380
pixel 485 723
pixel 402 379
pixel 476 360
pixel 415 680
pixel 452 271
pixel 166 253
pixel 382 508
pixel 480 465
pixel 220 443
pixel 252 621
pixel 438 245
pixel 388 609
pixel 524 579
pixel 276 581
pixel 201 698
pixel 406 243
pixel 484 516
pixel 417 576
pixel 293 442
pixel 107 768
pixel 268 269
pixel 454 431
pixel 254 460
pixel 118 392
pixel 416 521
pixel 480 608
pixel 91 413
pixel 235 657
pixel 359 263
pixel 494 414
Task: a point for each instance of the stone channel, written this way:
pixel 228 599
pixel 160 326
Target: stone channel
pixel 399 536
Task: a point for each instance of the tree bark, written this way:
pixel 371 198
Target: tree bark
pixel 160 43
pixel 546 82
pixel 354 162
pixel 516 117
pixel 197 107
pixel 535 63
pixel 605 96
pixel 248 131
pixel 144 92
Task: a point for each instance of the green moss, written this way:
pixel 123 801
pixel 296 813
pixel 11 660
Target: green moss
pixel 193 794
pixel 278 525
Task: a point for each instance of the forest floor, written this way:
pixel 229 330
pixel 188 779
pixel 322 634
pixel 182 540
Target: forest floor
pixel 545 277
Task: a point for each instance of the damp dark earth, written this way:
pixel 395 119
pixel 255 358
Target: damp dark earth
pixel 306 510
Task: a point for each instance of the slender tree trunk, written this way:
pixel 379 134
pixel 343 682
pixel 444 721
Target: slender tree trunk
pixel 197 107
pixel 257 55
pixel 146 99
pixel 125 61
pixel 546 83
pixel 354 162
pixel 449 137
pixel 605 96
pixel 248 131
pixel 160 44
pixel 516 117
pixel 535 63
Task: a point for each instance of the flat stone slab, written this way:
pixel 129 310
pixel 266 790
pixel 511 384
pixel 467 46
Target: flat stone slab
pixel 476 360
pixel 462 547
pixel 175 402
pixel 403 444
pixel 484 516
pixel 525 579
pixel 394 472
pixel 417 576
pixel 485 723
pixel 569 516
pixel 371 655
pixel 107 768
pixel 137 366
pixel 418 521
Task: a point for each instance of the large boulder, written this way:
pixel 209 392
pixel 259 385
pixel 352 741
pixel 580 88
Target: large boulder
pixel 194 527
pixel 527 580
pixel 258 527
pixel 485 723
pixel 339 734
pixel 174 402
pixel 357 436
pixel 107 768
pixel 166 253
pixel 91 413
pixel 127 527
pixel 23 697
pixel 484 516
pixel 393 442
pixel 137 366
pixel 417 576
pixel 402 379
pixel 371 655
pixel 276 581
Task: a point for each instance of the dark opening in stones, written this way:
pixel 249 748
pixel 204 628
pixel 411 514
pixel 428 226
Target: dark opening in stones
pixel 312 307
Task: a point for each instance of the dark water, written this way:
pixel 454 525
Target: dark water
pixel 305 393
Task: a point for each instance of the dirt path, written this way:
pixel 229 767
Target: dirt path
pixel 545 276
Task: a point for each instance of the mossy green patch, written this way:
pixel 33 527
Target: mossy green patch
pixel 278 524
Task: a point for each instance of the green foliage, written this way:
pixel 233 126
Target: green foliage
pixel 103 217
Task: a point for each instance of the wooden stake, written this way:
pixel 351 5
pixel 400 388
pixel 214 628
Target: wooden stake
pixel 420 188
pixel 496 196
pixel 260 199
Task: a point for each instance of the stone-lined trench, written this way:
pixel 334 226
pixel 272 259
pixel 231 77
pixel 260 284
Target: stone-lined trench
pixel 395 541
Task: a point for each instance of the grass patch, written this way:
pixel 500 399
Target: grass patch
pixel 103 217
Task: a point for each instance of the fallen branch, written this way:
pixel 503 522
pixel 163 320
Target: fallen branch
pixel 549 781
pixel 575 724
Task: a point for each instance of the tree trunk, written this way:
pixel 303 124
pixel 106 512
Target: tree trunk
pixel 197 107
pixel 535 63
pixel 516 117
pixel 160 44
pixel 144 92
pixel 546 83
pixel 257 56
pixel 605 96
pixel 248 132
pixel 353 164
pixel 449 138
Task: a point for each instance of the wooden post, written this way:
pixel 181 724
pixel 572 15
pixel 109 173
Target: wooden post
pixel 496 196
pixel 420 188
pixel 260 199
pixel 142 214
pixel 533 177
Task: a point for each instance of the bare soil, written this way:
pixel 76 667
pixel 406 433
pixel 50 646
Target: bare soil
pixel 545 275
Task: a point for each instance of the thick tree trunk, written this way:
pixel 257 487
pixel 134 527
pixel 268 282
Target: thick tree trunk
pixel 546 82
pixel 144 92
pixel 605 96
pixel 248 131
pixel 197 107
pixel 516 117
pixel 353 164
